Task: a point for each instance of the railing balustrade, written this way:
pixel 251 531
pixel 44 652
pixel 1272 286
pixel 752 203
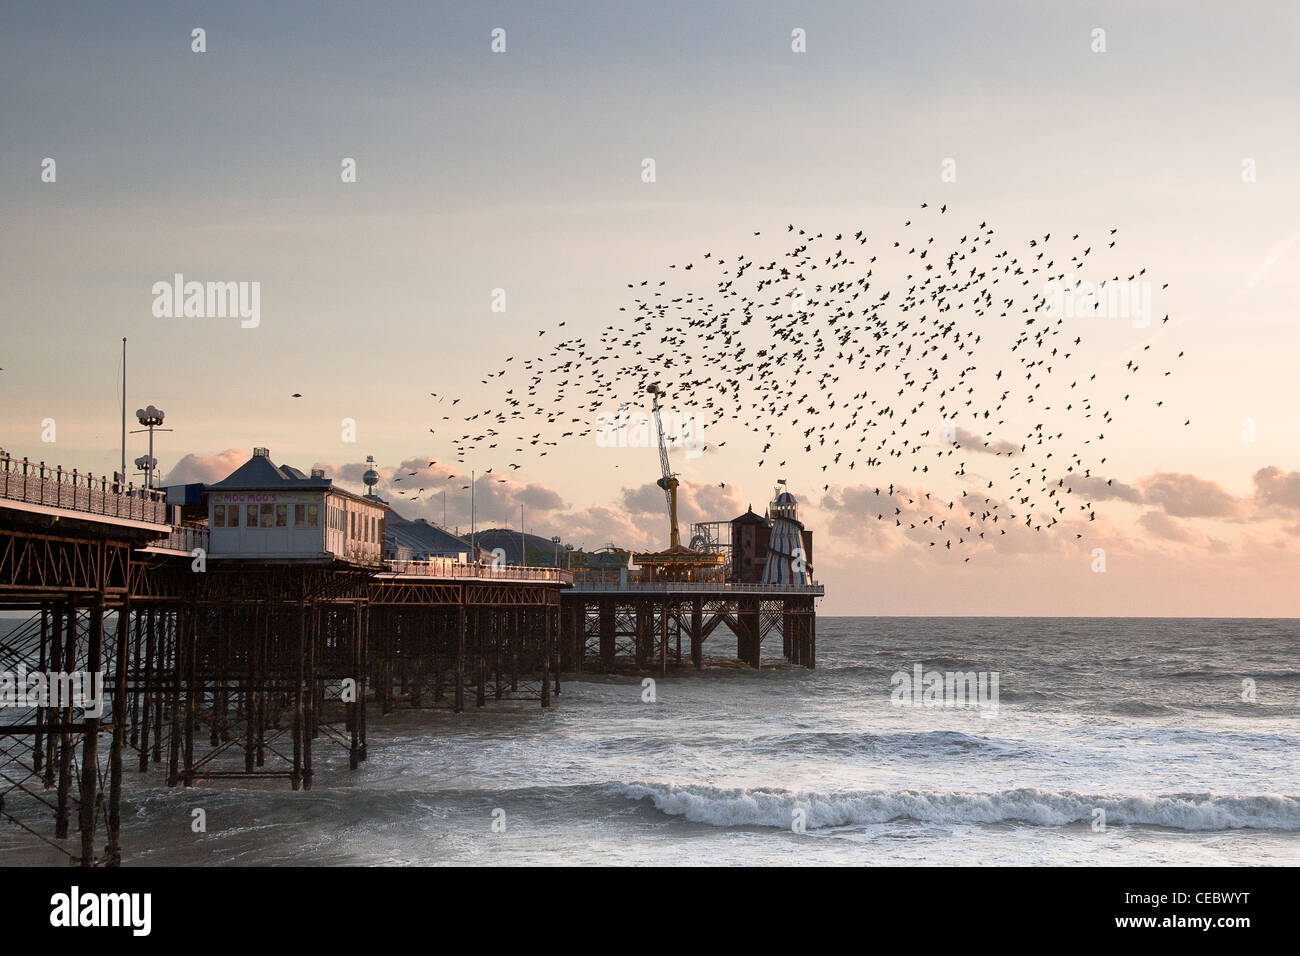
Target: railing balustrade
pixel 726 587
pixel 37 483
pixel 450 568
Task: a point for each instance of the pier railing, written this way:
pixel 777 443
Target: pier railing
pixel 719 587
pixel 185 538
pixel 450 568
pixel 36 483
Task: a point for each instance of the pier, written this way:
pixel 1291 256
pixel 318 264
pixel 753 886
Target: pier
pixel 218 663
pixel 644 622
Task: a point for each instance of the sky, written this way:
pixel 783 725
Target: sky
pixel 522 171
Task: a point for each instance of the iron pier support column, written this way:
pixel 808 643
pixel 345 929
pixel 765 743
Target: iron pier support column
pixel 606 634
pixel 113 852
pixel 90 741
pixel 65 713
pixel 353 707
pixel 295 775
pixel 697 633
pixel 38 750
pixel 553 614
pixel 459 704
pixel 749 641
pixel 546 656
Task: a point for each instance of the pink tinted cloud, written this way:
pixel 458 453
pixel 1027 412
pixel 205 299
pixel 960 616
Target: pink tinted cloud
pixel 208 469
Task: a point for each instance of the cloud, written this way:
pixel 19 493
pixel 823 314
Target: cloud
pixel 597 526
pixel 984 444
pixel 713 502
pixel 1186 496
pixel 644 500
pixel 1103 489
pixel 1162 526
pixel 205 468
pixel 419 488
pixel 861 519
pixel 1275 488
pixel 696 501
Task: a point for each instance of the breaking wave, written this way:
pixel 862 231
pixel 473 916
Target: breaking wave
pixel 774 808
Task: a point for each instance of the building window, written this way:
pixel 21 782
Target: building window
pixel 313 515
pixel 282 516
pixel 266 520
pixel 252 516
pixel 232 516
pixel 299 515
pixel 219 516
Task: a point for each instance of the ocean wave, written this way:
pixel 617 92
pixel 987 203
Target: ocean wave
pixel 774 808
pixel 813 743
pixel 1031 696
pixel 1140 708
pixel 936 742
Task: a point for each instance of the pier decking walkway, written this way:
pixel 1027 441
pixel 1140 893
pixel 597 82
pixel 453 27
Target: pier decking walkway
pixel 36 487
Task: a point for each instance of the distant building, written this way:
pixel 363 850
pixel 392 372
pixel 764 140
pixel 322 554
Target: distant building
pixel 749 534
pixel 272 512
pixel 604 566
pixel 420 540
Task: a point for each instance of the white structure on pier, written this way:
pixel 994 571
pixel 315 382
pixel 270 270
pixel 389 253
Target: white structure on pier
pixel 272 512
pixel 786 561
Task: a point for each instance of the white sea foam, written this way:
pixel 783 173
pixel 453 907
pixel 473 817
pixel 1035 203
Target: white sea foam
pixel 763 807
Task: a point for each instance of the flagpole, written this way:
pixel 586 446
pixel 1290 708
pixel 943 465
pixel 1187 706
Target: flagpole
pixel 122 481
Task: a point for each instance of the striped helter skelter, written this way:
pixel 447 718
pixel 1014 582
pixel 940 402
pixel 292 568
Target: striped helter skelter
pixel 786 561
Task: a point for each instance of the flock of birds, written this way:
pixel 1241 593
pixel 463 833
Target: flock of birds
pixel 925 382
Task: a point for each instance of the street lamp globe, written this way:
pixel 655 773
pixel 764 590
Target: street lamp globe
pixel 150 416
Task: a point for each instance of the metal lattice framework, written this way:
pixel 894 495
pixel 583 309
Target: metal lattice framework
pixel 646 627
pixel 48 565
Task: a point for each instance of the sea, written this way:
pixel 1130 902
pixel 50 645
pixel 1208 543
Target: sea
pixel 1110 742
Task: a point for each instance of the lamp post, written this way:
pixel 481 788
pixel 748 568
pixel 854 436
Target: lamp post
pixel 151 418
pixel 556 541
pixel 146 464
